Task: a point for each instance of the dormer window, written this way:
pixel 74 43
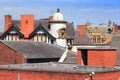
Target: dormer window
pixel 12 36
pixel 40 32
pixel 13 32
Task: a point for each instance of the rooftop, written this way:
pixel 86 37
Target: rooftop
pixel 32 49
pixel 57 67
pixel 96 46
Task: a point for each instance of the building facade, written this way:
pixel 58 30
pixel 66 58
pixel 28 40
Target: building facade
pixel 99 33
pixel 21 52
pixel 53 71
pixel 53 30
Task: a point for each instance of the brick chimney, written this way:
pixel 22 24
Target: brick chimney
pixel 27 24
pixel 50 18
pixel 81 28
pixel 7 22
pixel 115 28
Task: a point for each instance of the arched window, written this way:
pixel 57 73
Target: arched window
pixel 109 30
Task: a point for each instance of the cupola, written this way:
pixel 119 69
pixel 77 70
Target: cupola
pixel 58 16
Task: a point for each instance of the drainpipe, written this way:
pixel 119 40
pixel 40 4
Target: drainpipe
pixel 18 76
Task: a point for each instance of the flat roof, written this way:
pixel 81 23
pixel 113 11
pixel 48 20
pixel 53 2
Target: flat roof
pixel 58 67
pixel 100 47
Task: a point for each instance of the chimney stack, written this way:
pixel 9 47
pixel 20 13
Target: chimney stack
pixel 7 22
pixel 81 28
pixel 27 24
pixel 50 18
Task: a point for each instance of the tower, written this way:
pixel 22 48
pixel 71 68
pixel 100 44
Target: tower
pixel 58 28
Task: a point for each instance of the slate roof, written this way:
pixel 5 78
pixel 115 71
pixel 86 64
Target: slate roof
pixel 16 22
pixel 103 29
pixel 57 67
pixel 40 27
pixel 1 33
pixel 70 32
pixel 114 42
pixel 81 39
pixel 46 24
pixel 119 27
pixel 37 49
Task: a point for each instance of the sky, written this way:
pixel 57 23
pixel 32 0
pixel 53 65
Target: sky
pixel 77 11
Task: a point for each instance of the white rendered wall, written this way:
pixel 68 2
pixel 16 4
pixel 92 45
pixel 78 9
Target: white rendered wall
pixel 58 17
pixel 61 42
pixel 55 27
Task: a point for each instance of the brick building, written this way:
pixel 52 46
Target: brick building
pixel 98 33
pixel 28 43
pixel 105 54
pixel 96 55
pixel 20 52
pixel 56 71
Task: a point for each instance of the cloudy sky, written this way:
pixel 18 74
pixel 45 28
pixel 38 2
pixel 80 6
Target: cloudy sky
pixel 77 11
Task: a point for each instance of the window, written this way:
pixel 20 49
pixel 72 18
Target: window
pixel 13 32
pixel 40 38
pixel 41 32
pixel 61 33
pixel 12 37
pixel 98 39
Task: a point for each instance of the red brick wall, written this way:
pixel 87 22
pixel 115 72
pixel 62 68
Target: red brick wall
pixel 81 28
pixel 115 28
pixel 19 58
pixel 8 56
pixel 37 75
pixel 27 24
pixel 79 57
pixel 32 75
pixel 102 57
pixel 7 22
